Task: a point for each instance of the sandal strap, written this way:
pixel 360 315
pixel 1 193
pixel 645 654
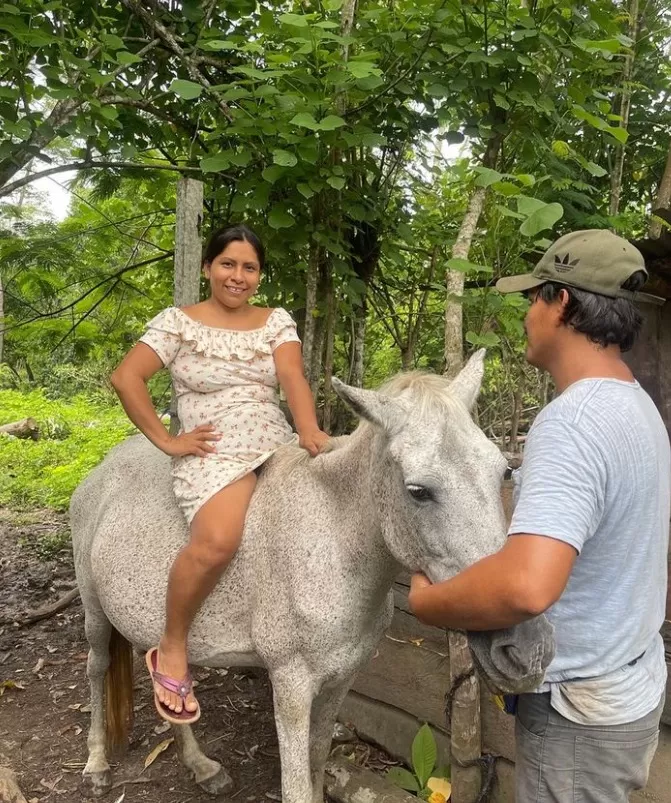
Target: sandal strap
pixel 181 687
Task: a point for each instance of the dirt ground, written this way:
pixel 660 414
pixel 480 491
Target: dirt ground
pixel 44 716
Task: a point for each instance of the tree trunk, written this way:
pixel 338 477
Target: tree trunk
pixel 454 283
pixel 454 280
pixel 328 356
pixel 663 200
pixel 358 345
pixel 311 286
pixel 625 105
pixel 518 398
pixel 464 726
pixel 2 319
pixel 188 256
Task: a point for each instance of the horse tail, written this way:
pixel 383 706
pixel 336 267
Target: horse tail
pixel 118 693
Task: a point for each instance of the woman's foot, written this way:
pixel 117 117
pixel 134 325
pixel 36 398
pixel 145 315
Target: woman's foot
pixel 173 664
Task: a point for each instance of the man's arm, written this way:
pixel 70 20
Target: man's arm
pixel 518 582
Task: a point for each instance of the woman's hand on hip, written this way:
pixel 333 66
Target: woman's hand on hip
pixel 196 442
pixel 313 441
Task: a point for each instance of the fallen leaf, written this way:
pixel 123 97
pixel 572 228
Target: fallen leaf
pixel 417 641
pixel 121 798
pixel 156 752
pixel 39 666
pixel 51 650
pixel 10 684
pixel 162 728
pixel 75 706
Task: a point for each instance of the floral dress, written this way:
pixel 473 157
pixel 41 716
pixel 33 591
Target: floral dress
pixel 223 377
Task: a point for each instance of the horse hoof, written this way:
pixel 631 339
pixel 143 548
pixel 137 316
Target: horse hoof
pixel 217 784
pixel 99 783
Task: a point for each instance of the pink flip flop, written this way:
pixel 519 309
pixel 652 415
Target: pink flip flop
pixel 181 687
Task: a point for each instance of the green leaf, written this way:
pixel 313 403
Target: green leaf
pixel 280 218
pixel 595 169
pixel 464 266
pixel 305 190
pixel 126 58
pixel 305 120
pixel 506 188
pixel 362 69
pixel 542 219
pixel 424 754
pixel 110 40
pixel 284 158
pixel 487 177
pixel 487 340
pixel 219 44
pixel 186 89
pixel 527 206
pixel 213 164
pixel 403 779
pixel 297 20
pixel 331 122
pixel 272 173
pixel 336 182
pixel 620 134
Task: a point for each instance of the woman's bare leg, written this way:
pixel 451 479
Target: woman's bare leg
pixel 216 531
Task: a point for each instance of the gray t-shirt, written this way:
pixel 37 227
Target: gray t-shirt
pixel 597 475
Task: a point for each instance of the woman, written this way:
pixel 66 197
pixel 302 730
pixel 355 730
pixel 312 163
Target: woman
pixel 226 358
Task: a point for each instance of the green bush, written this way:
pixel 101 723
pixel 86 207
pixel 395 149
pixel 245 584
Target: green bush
pixel 75 435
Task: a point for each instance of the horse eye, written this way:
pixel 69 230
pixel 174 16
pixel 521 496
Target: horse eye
pixel 420 493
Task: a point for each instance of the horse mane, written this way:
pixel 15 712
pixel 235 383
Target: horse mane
pixel 429 396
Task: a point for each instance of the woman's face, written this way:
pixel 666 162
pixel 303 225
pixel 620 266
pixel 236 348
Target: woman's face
pixel 234 274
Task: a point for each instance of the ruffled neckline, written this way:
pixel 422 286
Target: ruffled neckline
pixel 223 328
pixel 214 341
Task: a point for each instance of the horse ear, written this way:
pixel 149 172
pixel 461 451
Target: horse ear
pixel 369 404
pixel 466 384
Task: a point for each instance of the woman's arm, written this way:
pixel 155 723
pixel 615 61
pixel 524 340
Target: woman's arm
pixel 129 381
pixel 289 368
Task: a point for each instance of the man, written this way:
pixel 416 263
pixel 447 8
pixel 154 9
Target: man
pixel 588 540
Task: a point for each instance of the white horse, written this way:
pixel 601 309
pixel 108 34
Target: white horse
pixel 416 486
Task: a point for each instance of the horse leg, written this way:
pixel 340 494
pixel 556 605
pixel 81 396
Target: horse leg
pixel 293 692
pixel 210 775
pixel 98 630
pixel 324 712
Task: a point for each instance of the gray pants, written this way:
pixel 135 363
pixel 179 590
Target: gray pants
pixel 558 761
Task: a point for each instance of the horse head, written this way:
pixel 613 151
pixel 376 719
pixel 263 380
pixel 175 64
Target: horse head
pixel 436 484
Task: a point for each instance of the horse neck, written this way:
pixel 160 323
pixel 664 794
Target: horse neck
pixel 350 470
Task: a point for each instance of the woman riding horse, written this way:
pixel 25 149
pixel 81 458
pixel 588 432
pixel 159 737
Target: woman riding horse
pixel 226 357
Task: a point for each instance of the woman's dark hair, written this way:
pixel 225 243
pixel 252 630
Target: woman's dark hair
pixel 604 320
pixel 222 238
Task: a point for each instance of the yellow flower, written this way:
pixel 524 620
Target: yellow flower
pixel 436 797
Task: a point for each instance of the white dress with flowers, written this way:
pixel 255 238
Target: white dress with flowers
pixel 223 377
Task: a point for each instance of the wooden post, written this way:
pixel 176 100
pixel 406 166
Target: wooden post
pixel 188 256
pixel 465 732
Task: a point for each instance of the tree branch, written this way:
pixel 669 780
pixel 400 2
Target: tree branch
pixel 21 182
pixel 136 8
pixel 110 278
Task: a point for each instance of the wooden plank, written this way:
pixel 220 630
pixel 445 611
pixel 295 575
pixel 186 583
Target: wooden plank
pixel 410 677
pixel 391 728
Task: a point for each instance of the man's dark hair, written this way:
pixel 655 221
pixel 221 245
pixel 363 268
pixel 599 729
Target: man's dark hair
pixel 604 320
